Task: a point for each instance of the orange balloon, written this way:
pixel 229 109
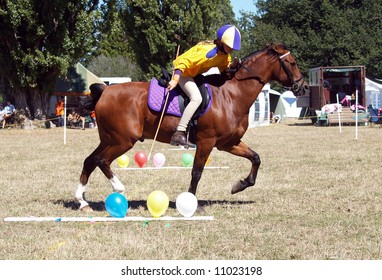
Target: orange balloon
pixel 208 161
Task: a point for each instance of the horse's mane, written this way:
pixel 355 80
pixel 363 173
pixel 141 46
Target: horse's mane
pixel 269 49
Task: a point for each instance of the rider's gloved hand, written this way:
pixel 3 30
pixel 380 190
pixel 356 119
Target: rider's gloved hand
pixel 234 64
pixel 174 82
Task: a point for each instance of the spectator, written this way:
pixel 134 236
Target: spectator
pixel 327 85
pixel 9 111
pixel 2 113
pixel 83 115
pixel 94 119
pixel 342 98
pixel 72 119
pixel 10 107
pixel 60 105
pixel 352 99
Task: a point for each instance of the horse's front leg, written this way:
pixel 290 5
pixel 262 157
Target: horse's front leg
pixel 88 168
pixel 201 156
pixel 203 150
pixel 243 150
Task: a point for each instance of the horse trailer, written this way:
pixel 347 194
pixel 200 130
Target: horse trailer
pixel 326 83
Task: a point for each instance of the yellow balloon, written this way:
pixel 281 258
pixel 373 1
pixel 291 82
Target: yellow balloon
pixel 157 203
pixel 123 161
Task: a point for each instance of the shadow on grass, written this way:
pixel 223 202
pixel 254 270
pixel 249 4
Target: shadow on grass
pixel 301 124
pixel 136 204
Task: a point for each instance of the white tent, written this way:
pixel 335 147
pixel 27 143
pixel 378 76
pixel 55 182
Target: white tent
pixel 259 113
pixel 373 94
pixel 289 102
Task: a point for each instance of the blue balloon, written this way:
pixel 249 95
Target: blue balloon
pixel 116 205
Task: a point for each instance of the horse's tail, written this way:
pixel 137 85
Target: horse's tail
pixel 96 92
pixel 89 102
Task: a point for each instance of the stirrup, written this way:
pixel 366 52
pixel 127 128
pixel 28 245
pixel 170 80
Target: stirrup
pixel 181 142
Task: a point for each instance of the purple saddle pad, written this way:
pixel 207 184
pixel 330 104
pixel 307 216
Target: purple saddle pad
pixel 157 98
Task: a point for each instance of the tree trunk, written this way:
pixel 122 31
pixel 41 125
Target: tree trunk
pixel 33 102
pixel 19 99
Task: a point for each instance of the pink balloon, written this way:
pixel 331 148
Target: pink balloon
pixel 140 158
pixel 159 159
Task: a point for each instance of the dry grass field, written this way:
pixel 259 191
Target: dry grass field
pixel 318 196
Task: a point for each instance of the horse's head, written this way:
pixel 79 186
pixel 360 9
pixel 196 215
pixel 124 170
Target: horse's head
pixel 275 62
pixel 288 74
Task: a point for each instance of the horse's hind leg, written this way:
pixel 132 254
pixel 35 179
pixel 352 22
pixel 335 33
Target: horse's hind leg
pixel 107 157
pixel 243 150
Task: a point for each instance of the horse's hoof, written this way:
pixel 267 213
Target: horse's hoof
pixel 86 209
pixel 238 187
pixel 200 210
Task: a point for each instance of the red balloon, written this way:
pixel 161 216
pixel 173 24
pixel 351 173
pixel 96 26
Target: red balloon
pixel 140 158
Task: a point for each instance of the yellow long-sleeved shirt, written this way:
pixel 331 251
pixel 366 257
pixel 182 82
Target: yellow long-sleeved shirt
pixel 200 58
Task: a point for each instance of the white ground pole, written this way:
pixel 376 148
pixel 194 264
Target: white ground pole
pixel 339 114
pixel 65 120
pixel 105 219
pixel 171 167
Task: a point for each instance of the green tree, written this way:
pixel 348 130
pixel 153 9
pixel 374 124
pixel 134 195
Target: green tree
pixel 112 41
pixel 323 32
pixel 115 66
pixel 39 40
pixel 113 56
pixel 154 29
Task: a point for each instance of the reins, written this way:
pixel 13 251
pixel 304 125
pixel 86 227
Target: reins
pixel 241 65
pixel 250 77
pixel 294 86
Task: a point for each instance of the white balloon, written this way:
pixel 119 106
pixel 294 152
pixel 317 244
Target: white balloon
pixel 186 204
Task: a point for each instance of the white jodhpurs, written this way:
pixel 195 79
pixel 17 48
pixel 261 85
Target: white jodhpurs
pixel 191 89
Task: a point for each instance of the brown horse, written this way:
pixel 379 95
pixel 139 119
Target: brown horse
pixel 123 118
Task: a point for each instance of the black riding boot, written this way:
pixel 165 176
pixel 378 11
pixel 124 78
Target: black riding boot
pixel 179 138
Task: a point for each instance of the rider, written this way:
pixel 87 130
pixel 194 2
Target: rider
pixel 197 60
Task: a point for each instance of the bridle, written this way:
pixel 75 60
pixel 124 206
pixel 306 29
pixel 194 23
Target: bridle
pixel 295 83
